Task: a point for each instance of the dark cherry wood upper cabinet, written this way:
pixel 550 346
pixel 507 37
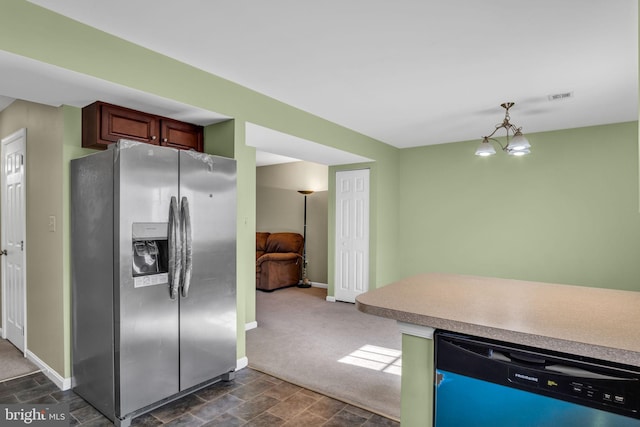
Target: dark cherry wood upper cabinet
pixel 104 124
pixel 117 122
pixel 181 135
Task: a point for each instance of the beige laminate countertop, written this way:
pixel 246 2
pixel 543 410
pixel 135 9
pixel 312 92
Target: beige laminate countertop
pixel 592 322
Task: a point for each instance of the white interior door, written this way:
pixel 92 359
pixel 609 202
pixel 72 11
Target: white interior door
pixel 352 234
pixel 13 238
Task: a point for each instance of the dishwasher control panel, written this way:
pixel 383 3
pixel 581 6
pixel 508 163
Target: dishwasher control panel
pixel 598 388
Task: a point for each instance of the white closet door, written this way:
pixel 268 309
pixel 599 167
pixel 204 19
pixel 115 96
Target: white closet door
pixel 13 237
pixel 352 234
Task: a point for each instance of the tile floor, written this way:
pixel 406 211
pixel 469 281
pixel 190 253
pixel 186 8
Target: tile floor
pixel 252 399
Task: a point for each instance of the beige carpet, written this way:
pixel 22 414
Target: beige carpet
pixel 331 348
pixel 13 363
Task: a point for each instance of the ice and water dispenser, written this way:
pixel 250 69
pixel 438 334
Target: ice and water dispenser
pixel 150 254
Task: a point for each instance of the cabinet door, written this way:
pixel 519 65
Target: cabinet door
pixel 181 135
pixel 117 122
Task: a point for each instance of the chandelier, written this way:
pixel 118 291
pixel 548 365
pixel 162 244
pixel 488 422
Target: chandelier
pixel 516 146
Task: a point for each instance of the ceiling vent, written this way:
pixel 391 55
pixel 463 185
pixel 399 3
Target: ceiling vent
pixel 559 96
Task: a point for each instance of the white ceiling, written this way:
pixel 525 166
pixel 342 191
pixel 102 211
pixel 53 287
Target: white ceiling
pixel 406 72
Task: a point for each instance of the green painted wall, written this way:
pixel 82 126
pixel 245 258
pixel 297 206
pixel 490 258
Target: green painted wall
pixel 567 213
pixel 417 381
pixel 220 139
pixel 246 251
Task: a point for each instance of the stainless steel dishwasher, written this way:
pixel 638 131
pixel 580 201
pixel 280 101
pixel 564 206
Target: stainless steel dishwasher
pixel 486 383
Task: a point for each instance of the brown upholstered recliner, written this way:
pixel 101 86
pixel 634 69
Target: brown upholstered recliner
pixel 278 260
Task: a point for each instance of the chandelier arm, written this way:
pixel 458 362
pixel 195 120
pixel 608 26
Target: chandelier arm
pixel 514 129
pixel 508 127
pixel 496 141
pixel 498 127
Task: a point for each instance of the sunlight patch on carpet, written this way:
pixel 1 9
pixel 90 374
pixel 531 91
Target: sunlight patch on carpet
pixel 377 358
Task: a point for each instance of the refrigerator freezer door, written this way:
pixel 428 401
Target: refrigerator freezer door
pixel 146 332
pixel 208 312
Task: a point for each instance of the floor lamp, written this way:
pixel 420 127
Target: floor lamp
pixel 304 281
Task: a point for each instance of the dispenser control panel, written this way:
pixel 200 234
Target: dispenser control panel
pixel 150 254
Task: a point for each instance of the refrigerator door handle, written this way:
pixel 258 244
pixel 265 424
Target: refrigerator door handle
pixel 187 247
pixel 175 250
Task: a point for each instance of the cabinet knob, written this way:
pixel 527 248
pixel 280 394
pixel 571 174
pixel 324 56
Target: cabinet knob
pixel 165 140
pixel 153 137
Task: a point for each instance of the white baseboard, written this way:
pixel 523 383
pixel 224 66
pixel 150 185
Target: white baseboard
pixel 319 285
pixel 56 378
pixel 242 363
pixel 65 383
pixel 331 299
pixel 250 325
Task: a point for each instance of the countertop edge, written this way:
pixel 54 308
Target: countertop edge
pixel 621 356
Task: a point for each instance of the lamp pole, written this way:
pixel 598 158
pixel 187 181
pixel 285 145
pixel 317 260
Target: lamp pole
pixel 304 282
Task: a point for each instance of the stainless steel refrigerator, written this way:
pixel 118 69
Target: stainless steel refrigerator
pixel 153 258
